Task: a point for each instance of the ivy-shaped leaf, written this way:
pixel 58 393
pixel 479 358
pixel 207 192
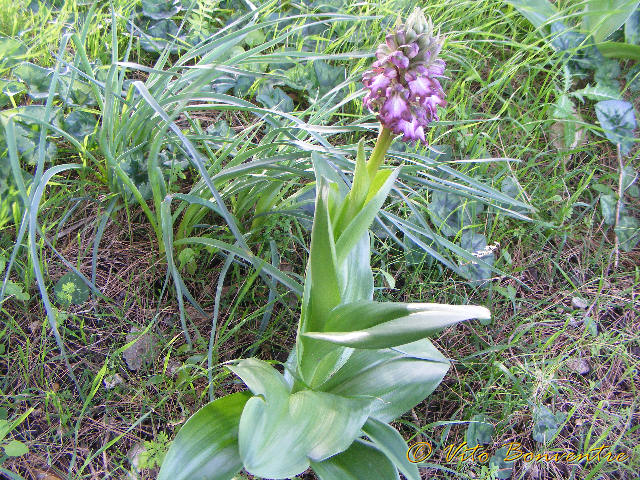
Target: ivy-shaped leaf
pixel 80 124
pixel 275 98
pixel 628 231
pixel 618 119
pixel 498 460
pixel 479 431
pixel 476 244
pixel 327 75
pixel 546 424
pixel 10 89
pixel 159 9
pixel 38 79
pixel 11 51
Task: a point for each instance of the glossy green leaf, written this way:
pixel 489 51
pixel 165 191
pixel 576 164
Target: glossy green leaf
pixel 603 17
pixel 360 224
pixel 608 208
pixel 11 51
pixel 390 442
pixel 37 79
pixel 538 12
pixel 80 124
pixel 280 433
pixel 399 377
pixel 632 28
pixel 546 424
pixel 362 461
pixel 619 50
pixel 374 325
pixel 618 119
pixel 628 231
pixel 275 98
pixel 71 290
pixel 160 9
pixel 207 444
pixel 15 448
pixel 479 431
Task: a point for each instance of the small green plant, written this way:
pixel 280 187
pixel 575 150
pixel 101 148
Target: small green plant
pixel 10 446
pixel 358 364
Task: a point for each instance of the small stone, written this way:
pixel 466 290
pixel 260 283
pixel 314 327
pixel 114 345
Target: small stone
pixel 579 365
pixel 112 380
pixel 579 303
pixel 135 454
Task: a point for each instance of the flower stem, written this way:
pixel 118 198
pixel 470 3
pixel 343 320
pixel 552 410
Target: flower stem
pixel 377 156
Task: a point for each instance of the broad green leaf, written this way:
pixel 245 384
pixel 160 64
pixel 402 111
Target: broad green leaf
pixel 478 273
pixel 498 461
pixel 479 431
pixel 603 17
pixel 354 275
pixel 80 124
pixel 538 12
pixel 37 79
pixel 160 9
pixel 281 434
pixel 275 98
pixel 362 461
pixel 391 443
pixel 628 231
pixel 207 444
pixel 546 424
pixel 15 448
pixel 608 208
pixel 632 28
pixel 71 290
pixel 374 325
pixel 359 226
pixel 597 93
pixel 11 51
pixel 399 377
pixel 618 121
pixel 10 89
pixel 620 50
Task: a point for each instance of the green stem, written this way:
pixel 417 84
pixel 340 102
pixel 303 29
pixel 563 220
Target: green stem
pixel 377 156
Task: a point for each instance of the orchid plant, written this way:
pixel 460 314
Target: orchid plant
pixel 358 364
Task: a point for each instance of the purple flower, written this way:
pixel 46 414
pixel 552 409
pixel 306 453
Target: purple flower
pixel 402 83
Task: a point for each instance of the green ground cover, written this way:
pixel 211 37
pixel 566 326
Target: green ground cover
pixel 163 150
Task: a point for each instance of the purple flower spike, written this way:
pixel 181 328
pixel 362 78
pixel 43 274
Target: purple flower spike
pixel 403 86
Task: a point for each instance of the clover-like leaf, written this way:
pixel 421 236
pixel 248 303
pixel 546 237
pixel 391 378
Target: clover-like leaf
pixel 71 290
pixel 618 119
